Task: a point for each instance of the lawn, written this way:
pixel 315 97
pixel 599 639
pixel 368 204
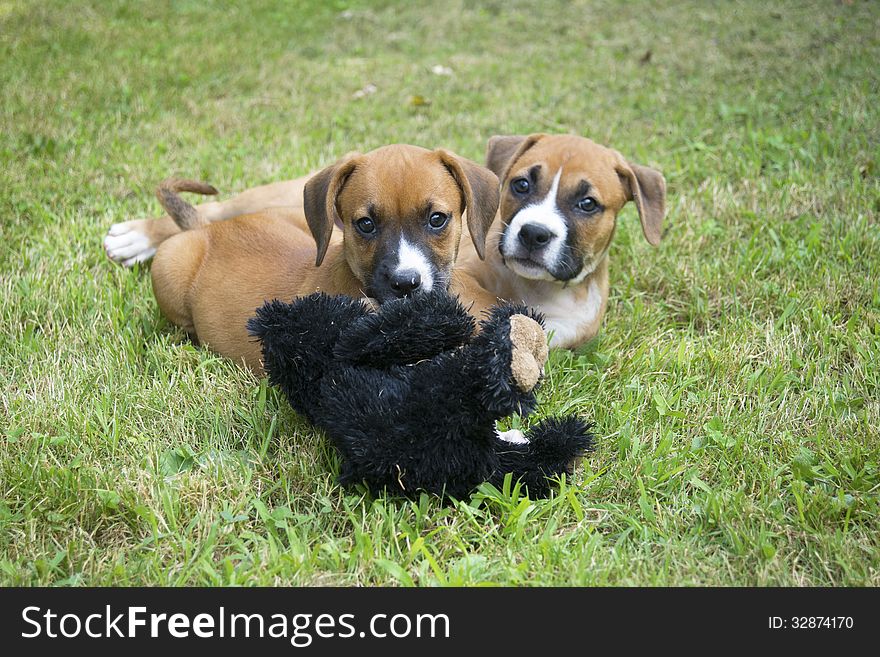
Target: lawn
pixel 735 386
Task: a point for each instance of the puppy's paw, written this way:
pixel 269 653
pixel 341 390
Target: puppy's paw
pixel 127 243
pixel 529 351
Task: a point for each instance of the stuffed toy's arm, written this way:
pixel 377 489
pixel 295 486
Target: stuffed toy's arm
pixel 298 340
pixel 549 449
pixel 406 331
pixel 506 359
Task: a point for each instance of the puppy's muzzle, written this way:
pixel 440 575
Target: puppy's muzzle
pixel 391 284
pixel 406 282
pixel 403 271
pixel 535 237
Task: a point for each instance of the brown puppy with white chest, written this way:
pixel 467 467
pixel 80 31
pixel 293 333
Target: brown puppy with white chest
pixel 548 248
pixel 399 209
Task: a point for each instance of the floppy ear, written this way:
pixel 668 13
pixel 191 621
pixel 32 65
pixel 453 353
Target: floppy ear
pixel 647 188
pixel 503 150
pixel 479 193
pixel 319 200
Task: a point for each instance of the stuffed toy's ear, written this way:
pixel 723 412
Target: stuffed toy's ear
pixel 406 331
pixel 647 188
pixel 479 193
pixel 319 201
pixel 503 151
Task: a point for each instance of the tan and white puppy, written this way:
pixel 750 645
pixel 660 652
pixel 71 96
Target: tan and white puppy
pixel 398 211
pixel 548 248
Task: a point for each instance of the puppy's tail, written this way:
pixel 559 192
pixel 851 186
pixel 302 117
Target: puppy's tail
pixel 185 215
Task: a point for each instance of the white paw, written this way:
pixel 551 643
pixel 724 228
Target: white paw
pixel 512 436
pixel 127 246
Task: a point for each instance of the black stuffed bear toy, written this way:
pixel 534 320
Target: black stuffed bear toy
pixel 409 394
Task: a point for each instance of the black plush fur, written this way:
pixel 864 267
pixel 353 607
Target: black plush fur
pixel 409 394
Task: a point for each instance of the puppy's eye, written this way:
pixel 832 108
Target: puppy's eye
pixel 365 225
pixel 520 186
pixel 588 205
pixel 438 220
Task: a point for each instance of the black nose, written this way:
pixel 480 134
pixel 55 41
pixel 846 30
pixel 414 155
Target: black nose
pixel 534 236
pixel 405 282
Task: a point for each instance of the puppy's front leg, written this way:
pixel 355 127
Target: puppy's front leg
pixel 476 299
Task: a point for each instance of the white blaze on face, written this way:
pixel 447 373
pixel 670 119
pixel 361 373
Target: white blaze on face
pixel 544 213
pixel 410 258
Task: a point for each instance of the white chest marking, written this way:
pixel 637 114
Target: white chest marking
pixel 566 315
pixel 410 258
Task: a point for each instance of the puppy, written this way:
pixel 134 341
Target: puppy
pixel 398 211
pixel 548 248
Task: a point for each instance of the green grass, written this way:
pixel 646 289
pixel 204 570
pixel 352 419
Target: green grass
pixel 735 384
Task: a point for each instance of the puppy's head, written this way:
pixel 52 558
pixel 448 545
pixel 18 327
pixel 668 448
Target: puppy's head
pixel 400 209
pixel 560 195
